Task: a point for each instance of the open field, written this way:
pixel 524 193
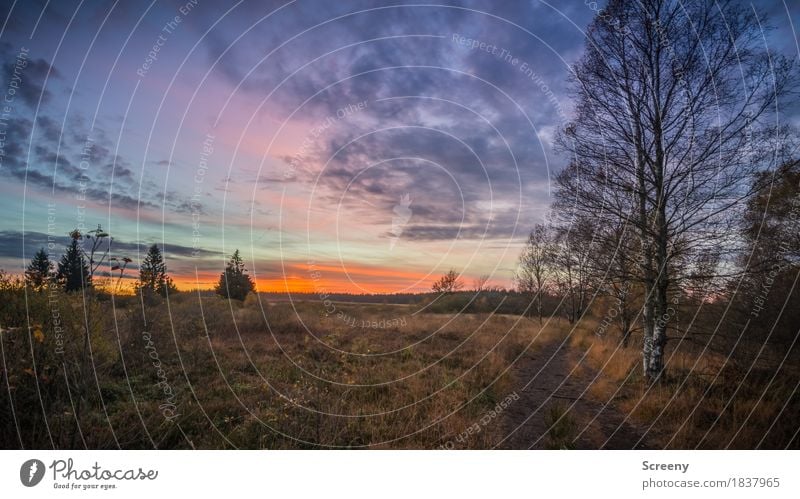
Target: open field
pixel 214 373
pixel 198 371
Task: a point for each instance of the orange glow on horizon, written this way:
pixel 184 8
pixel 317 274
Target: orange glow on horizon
pixel 325 277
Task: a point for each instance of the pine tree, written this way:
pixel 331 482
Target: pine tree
pixel 40 271
pixel 153 273
pixel 73 272
pixel 234 283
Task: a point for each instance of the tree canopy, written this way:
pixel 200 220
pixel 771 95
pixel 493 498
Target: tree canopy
pixel 153 276
pixel 673 119
pixel 73 271
pixel 448 283
pixel 40 271
pixel 234 282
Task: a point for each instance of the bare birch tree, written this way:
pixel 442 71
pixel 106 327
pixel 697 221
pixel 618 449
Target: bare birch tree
pixel 612 264
pixel 572 246
pixel 534 269
pixel 671 98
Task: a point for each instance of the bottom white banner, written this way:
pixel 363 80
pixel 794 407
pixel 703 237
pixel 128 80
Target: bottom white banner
pixel 355 474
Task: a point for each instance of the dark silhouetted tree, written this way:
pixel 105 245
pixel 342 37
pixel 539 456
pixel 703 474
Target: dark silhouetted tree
pixel 448 283
pixel 153 276
pixel 572 246
pixel 612 264
pixel 73 272
pixel 40 271
pixel 769 299
pixel 535 265
pixel 234 283
pixel 480 282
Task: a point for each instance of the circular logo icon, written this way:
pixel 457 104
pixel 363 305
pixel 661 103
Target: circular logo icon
pixel 31 472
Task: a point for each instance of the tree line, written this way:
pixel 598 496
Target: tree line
pixel 87 252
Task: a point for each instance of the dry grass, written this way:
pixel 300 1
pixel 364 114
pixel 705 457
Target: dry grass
pixel 278 375
pixel 707 401
pixel 291 377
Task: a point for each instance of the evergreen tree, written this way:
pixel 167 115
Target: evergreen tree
pixel 73 272
pixel 234 283
pixel 40 270
pixel 153 273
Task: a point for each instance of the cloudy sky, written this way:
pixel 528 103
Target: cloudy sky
pixel 361 146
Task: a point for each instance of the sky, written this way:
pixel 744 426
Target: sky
pixel 360 146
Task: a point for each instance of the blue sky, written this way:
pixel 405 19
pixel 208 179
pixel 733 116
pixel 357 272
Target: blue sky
pixel 384 142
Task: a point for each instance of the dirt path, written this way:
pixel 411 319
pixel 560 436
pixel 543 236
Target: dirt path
pixel 555 411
